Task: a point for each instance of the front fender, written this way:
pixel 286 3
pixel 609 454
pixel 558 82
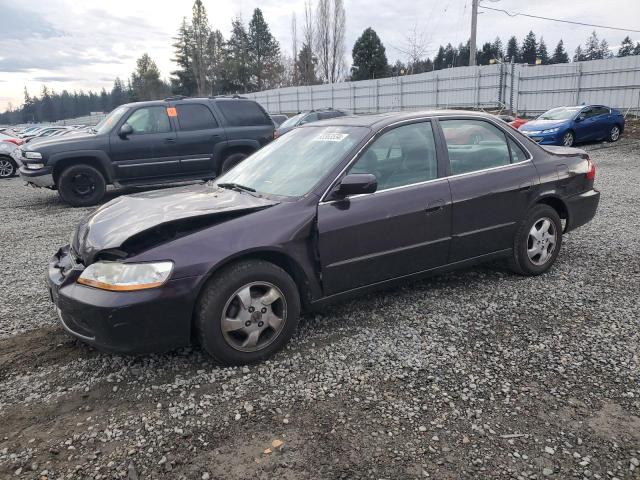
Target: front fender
pixel 100 156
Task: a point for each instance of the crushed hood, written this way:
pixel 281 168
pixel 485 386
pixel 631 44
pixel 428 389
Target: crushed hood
pixel 113 223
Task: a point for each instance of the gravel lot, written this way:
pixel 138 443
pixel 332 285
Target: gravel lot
pixel 470 375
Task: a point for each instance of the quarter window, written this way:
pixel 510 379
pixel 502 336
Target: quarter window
pixel 243 113
pixel 149 120
pixel 194 116
pixel 517 154
pixel 402 156
pixel 474 145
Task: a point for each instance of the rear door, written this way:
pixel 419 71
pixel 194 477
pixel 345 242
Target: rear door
pixel 198 134
pixel 150 151
pixel 603 121
pixel 402 228
pixel 491 176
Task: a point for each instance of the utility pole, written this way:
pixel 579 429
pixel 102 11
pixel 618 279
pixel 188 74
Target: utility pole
pixel 474 31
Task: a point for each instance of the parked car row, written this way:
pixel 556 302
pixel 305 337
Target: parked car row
pixel 332 209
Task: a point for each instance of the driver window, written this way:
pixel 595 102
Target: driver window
pixel 403 156
pixel 149 120
pixel 588 113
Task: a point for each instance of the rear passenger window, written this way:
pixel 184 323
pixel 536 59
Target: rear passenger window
pixel 474 145
pixel 517 154
pixel 195 117
pixel 242 113
pixel 402 156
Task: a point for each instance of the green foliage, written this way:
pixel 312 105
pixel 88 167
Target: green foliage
pixel 306 66
pixel 265 66
pixel 145 81
pixel 513 50
pixel 369 57
pixel 529 49
pixel 559 54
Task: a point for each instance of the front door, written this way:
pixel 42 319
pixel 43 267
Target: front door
pixel 150 151
pixel 402 228
pixel 491 179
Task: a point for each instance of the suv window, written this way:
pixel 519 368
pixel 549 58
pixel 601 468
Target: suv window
pixel 474 145
pixel 149 120
pixel 242 113
pixel 402 156
pixel 195 116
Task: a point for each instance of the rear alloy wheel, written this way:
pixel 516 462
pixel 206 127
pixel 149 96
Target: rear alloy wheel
pixel 7 168
pixel 614 134
pixel 568 139
pixel 537 242
pixel 247 312
pixel 81 185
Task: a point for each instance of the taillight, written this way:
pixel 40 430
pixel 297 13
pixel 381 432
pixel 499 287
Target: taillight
pixel 15 141
pixel 591 170
pixel 276 134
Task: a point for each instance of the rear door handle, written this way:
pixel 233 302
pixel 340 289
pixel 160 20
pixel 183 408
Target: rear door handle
pixel 170 140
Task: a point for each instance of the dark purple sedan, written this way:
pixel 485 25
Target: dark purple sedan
pixel 332 209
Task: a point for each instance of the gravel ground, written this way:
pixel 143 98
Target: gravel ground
pixel 477 374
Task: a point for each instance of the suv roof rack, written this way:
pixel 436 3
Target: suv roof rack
pixel 235 95
pixel 175 97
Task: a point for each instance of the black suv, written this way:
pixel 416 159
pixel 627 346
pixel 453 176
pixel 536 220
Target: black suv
pixel 309 116
pixel 149 143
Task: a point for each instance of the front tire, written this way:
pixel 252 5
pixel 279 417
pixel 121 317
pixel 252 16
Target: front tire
pixel 8 167
pixel 568 139
pixel 247 312
pixel 81 185
pixel 614 134
pixel 537 242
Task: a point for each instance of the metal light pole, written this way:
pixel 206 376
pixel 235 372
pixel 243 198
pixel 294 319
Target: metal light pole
pixel 474 31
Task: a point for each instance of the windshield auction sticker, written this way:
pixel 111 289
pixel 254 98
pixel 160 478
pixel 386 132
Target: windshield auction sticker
pixel 331 137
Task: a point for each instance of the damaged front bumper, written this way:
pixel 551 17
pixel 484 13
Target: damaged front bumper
pixel 143 321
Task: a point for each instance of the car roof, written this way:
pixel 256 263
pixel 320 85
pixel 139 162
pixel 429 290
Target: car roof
pixel 381 120
pixel 180 100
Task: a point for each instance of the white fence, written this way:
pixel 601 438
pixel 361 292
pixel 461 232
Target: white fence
pixel 522 89
pixel 89 120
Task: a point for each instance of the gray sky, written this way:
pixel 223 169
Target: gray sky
pixel 85 45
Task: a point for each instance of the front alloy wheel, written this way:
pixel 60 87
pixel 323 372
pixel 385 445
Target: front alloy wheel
pixel 568 139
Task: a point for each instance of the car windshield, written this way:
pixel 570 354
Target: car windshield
pixel 291 122
pixel 292 165
pixel 106 124
pixel 561 113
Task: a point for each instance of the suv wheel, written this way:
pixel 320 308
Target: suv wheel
pixel 7 167
pixel 537 242
pixel 81 185
pixel 231 161
pixel 247 312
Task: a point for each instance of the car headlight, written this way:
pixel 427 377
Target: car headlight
pixel 33 155
pixel 118 276
pixel 551 130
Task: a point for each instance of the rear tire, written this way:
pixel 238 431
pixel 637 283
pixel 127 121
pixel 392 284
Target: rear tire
pixel 614 134
pixel 81 185
pixel 8 167
pixel 247 312
pixel 231 161
pixel 537 242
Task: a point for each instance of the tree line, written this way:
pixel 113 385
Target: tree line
pixel 251 59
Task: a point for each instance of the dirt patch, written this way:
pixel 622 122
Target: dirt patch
pixel 614 423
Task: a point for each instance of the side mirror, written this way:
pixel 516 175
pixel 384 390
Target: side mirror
pixel 357 184
pixel 580 117
pixel 125 130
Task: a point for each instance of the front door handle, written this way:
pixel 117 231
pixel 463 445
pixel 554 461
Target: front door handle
pixel 434 206
pixel 170 140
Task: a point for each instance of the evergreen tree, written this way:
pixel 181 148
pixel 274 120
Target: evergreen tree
pixel 46 106
pixel 450 55
pixel 236 64
pixel 369 57
pixel 105 101
pixel 145 80
pixel 592 48
pixel 264 53
pixel 183 80
pixel 529 49
pixel 439 60
pixel 542 52
pixel 216 51
pixel 306 66
pixel 636 50
pixel 626 47
pixel 579 55
pixel 605 51
pixel 560 54
pixel 513 50
pixel 497 49
pixel 118 94
pixel 462 60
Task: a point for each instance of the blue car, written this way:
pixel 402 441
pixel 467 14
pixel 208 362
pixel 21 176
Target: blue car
pixel 569 125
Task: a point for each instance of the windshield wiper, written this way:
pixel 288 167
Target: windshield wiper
pixel 236 186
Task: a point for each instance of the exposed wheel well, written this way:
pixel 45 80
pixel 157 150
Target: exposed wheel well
pixel 558 205
pixel 279 259
pixel 247 150
pixel 63 164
